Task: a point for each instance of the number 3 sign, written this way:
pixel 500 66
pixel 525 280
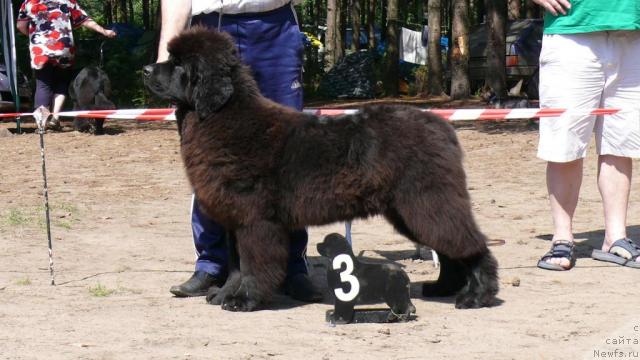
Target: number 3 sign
pixel 346 277
pixel 357 282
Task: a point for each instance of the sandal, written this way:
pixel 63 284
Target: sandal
pixel 559 249
pixel 623 252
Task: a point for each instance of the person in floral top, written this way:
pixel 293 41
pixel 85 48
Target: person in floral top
pixel 49 25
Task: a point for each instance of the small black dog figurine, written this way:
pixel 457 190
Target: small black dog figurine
pixel 357 282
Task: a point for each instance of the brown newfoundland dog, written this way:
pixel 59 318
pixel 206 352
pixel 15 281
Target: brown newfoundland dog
pixel 261 170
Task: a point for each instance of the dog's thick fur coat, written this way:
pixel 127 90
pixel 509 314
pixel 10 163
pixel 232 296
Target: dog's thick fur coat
pixel 261 170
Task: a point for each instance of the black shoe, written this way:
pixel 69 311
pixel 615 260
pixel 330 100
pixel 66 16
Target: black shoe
pixel 198 285
pixel 300 287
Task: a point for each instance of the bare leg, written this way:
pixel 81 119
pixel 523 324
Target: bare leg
pixel 563 183
pixel 58 103
pixel 614 182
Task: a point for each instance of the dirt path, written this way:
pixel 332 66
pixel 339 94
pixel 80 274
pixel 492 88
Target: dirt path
pixel 120 207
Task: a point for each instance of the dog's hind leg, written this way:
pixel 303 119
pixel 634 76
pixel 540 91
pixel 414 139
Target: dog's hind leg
pixel 441 218
pixel 263 250
pixel 452 273
pixel 482 285
pixel 451 279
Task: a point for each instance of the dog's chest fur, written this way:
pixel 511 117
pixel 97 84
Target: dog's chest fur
pixel 233 157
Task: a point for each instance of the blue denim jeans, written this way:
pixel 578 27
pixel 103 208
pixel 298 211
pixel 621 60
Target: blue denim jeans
pixel 271 44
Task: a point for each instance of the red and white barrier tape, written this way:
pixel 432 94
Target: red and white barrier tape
pixel 491 114
pixel 127 114
pixel 448 114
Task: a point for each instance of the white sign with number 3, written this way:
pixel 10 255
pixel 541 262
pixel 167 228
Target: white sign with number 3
pixel 346 277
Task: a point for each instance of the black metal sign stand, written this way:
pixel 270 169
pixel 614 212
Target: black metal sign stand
pixel 357 282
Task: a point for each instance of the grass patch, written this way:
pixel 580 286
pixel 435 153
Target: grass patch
pixel 68 208
pixel 17 217
pixel 100 291
pixel 63 224
pixel 63 216
pixel 24 282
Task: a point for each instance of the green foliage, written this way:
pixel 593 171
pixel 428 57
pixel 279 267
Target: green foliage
pixel 17 217
pixel 100 290
pixel 62 216
pixel 23 282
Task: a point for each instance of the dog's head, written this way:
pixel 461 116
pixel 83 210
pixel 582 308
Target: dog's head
pixel 200 71
pixel 334 244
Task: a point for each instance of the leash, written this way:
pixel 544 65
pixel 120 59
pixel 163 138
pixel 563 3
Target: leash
pixel 101 64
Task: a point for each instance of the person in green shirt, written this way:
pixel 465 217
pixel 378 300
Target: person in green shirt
pixel 589 59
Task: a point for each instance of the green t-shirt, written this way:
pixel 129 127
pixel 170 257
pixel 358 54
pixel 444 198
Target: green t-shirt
pixel 595 15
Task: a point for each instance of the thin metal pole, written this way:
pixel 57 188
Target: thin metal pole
pixel 347 231
pixel 41 115
pixel 46 200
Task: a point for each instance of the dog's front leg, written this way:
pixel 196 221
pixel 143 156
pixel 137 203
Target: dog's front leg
pixel 263 252
pixel 216 294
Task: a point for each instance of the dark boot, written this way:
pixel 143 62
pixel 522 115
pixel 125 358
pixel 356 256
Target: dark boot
pixel 198 285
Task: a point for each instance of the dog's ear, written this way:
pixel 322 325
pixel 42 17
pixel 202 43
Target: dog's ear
pixel 212 89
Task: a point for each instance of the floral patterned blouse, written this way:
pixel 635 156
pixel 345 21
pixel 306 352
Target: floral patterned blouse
pixel 50 30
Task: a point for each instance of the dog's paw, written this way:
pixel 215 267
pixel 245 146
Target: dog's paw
pixel 467 301
pixel 472 300
pixel 215 295
pixel 245 298
pixel 239 302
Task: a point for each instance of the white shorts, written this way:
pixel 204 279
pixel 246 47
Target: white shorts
pixel 588 71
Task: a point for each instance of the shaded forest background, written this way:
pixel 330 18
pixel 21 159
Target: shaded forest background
pixel 335 30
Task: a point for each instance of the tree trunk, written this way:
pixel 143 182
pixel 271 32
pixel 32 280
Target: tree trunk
pixel 460 87
pixel 496 76
pixel 392 68
pixel 355 18
pixel 131 14
pixel 383 20
pixel 145 14
pixel 158 19
pixel 316 18
pixel 122 9
pixel 371 24
pixel 343 20
pixel 333 36
pixel 106 9
pixel 477 12
pixel 514 10
pixel 434 55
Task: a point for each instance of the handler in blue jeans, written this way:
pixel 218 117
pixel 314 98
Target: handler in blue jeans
pixel 269 41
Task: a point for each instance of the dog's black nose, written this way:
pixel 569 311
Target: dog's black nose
pixel 147 70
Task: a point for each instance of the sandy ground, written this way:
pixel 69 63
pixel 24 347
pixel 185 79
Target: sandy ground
pixel 121 234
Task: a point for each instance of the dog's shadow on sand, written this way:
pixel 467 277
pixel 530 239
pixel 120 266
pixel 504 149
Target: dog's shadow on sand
pixel 587 241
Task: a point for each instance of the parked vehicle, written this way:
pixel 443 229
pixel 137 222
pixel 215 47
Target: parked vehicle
pixel 523 45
